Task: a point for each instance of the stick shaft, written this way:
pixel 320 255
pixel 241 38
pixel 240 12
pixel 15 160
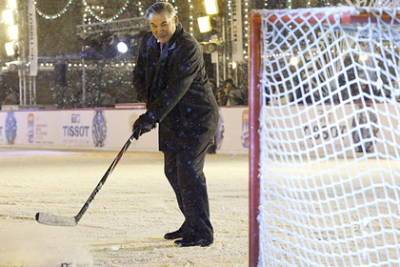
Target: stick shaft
pixel 103 180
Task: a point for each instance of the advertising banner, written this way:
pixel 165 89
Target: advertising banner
pixel 313 130
pixel 96 128
pixel 76 129
pixel 41 128
pixel 233 130
pixel 2 127
pixel 119 129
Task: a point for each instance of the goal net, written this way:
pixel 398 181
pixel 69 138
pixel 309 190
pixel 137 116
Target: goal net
pixel 374 3
pixel 325 137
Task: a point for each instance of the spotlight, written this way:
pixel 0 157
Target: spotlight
pixel 363 57
pixel 211 7
pixel 10 49
pixel 204 24
pixel 12 4
pixel 122 47
pixel 294 61
pixel 12 32
pixel 8 17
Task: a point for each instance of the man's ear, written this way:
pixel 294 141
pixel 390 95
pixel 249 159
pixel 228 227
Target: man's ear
pixel 176 19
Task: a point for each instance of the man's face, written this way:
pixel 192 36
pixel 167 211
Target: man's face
pixel 228 87
pixel 162 26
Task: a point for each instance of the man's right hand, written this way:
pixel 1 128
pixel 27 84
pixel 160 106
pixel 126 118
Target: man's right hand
pixel 145 123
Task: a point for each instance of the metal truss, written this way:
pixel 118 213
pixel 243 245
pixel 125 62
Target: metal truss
pixel 132 26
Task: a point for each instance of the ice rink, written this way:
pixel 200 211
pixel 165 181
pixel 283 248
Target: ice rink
pixel 125 223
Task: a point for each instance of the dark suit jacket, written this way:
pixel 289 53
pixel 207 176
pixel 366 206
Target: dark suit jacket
pixel 174 85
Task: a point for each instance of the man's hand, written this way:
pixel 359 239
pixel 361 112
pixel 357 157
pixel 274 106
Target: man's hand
pixel 143 124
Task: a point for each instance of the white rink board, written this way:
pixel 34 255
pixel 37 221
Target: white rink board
pixel 72 129
pixel 106 129
pixel 77 128
pixel 316 130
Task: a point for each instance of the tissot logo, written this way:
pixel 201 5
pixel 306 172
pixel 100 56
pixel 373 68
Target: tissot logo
pixel 76 131
pixel 75 118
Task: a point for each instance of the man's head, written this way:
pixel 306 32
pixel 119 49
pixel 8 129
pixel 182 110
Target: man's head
pixel 228 85
pixel 162 18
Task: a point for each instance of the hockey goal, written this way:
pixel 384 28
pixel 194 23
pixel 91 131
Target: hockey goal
pixel 325 137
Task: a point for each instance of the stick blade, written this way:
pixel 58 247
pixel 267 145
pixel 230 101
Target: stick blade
pixel 50 219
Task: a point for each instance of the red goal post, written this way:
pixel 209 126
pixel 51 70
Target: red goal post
pixel 257 101
pixel 254 106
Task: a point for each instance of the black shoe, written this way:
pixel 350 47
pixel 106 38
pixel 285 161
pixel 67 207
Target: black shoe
pixel 202 242
pixel 173 235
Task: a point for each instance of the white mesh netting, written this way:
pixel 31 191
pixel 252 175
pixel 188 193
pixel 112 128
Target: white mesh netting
pixel 374 3
pixel 330 138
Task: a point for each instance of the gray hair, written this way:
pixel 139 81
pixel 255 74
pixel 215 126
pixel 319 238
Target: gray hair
pixel 160 7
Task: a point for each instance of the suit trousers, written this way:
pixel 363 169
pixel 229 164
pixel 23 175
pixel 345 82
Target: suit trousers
pixel 184 171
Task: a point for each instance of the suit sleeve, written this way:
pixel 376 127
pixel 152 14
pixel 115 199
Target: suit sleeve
pixel 185 70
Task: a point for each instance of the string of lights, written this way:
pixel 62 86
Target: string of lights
pixel 230 15
pixel 80 65
pixel 54 16
pixel 87 19
pixel 119 13
pixel 289 3
pixel 246 27
pixel 174 4
pixel 88 8
pixel 140 8
pixel 190 16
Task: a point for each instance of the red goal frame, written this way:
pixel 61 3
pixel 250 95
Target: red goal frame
pixel 254 126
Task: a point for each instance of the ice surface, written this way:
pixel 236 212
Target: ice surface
pixel 125 223
pixel 24 243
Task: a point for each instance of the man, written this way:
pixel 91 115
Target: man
pixel 171 77
pixel 230 95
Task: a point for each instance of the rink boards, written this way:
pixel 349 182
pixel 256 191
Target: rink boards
pixel 105 129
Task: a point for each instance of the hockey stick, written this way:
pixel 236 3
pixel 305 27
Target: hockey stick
pixel 50 219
